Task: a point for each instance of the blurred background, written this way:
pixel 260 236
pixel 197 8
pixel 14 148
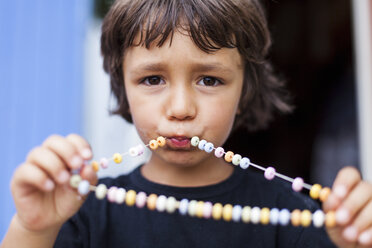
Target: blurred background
pixel 52 81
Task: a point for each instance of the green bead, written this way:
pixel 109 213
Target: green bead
pixel 195 141
pixel 236 159
pixel 75 180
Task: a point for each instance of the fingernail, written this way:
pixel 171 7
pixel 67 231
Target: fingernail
pixel 365 238
pixel 350 233
pixel 342 216
pixel 340 191
pixel 63 176
pixel 76 162
pixel 48 185
pixel 86 153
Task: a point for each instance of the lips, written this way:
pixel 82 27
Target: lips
pixel 179 142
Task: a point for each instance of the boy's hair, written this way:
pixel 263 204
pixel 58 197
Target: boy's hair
pixel 211 24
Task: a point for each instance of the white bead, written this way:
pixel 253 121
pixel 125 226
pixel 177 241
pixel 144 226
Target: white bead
pixel 202 144
pixel 236 213
pixel 246 214
pixel 133 151
pixel 284 217
pixel 244 163
pixel 194 141
pixel 101 191
pixel 236 159
pixel 120 195
pixel 255 215
pixel 208 147
pixel 160 203
pixel 192 208
pixel 318 218
pixel 170 205
pixel 184 203
pixel 274 216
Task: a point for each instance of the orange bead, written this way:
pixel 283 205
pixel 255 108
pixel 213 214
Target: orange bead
pixel 161 141
pixel 153 144
pixel 151 201
pixel 95 166
pixel 296 217
pixel 324 193
pixel 330 219
pixel 228 156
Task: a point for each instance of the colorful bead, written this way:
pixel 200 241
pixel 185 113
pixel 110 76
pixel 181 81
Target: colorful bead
pixel 269 173
pixel 202 144
pixel 219 152
pixel 104 163
pixel 228 156
pixel 296 217
pixel 315 190
pixel 194 141
pixel 318 218
pixel 236 159
pixel 324 193
pixel 170 205
pixel 199 209
pixel 141 199
pixel 160 203
pixel 184 203
pixel 117 158
pixel 305 218
pixel 208 147
pixel 236 213
pixel 244 163
pixel 101 191
pixel 133 151
pixel 95 166
pixel 297 184
pixel 140 149
pixel 120 195
pixel 274 216
pixel 192 208
pixel 153 144
pixel 265 216
pixel 111 194
pixel 227 212
pixel 284 217
pixel 246 214
pixel 207 210
pixel 161 141
pixel 330 219
pixel 217 211
pixel 255 215
pixel 75 180
pixel 151 201
pixel 130 198
pixel 83 187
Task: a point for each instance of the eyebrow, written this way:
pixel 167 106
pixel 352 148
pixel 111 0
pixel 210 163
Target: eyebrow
pixel 200 67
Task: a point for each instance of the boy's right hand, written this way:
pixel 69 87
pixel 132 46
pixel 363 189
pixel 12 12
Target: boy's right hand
pixel 40 186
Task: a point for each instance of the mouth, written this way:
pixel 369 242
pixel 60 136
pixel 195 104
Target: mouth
pixel 179 142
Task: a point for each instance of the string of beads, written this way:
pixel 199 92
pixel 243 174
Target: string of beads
pixel 200 209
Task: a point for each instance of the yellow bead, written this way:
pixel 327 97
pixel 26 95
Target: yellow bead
pixel 305 218
pixel 199 209
pixel 95 166
pixel 161 141
pixel 217 211
pixel 151 201
pixel 117 158
pixel 153 144
pixel 265 216
pixel 246 214
pixel 315 190
pixel 130 197
pixel 296 217
pixel 228 156
pixel 324 193
pixel 227 212
pixel 330 219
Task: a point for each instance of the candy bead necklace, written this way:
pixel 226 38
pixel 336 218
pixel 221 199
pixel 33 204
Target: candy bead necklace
pixel 200 209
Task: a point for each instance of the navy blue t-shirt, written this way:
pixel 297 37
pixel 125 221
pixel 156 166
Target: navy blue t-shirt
pixel 100 223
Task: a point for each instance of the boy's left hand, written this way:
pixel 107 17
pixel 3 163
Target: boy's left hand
pixel 351 199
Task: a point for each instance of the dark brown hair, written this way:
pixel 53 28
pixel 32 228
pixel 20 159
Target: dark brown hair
pixel 211 24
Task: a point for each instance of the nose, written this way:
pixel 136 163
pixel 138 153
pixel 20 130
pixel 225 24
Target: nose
pixel 181 104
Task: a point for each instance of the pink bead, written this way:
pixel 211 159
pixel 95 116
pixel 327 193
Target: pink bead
pixel 140 149
pixel 207 210
pixel 141 199
pixel 104 163
pixel 219 152
pixel 269 173
pixel 111 194
pixel 297 184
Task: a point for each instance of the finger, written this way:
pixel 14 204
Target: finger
pixel 64 149
pixel 353 203
pixel 346 179
pixel 82 145
pixel 365 238
pixel 363 220
pixel 88 173
pixel 32 175
pixel 48 161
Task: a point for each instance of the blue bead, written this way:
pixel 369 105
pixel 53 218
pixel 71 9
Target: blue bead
pixel 202 144
pixel 83 187
pixel 244 163
pixel 208 147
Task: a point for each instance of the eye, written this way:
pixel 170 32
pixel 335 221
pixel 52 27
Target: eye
pixel 152 80
pixel 209 81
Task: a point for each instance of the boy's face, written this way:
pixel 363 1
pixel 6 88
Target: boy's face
pixel 179 91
